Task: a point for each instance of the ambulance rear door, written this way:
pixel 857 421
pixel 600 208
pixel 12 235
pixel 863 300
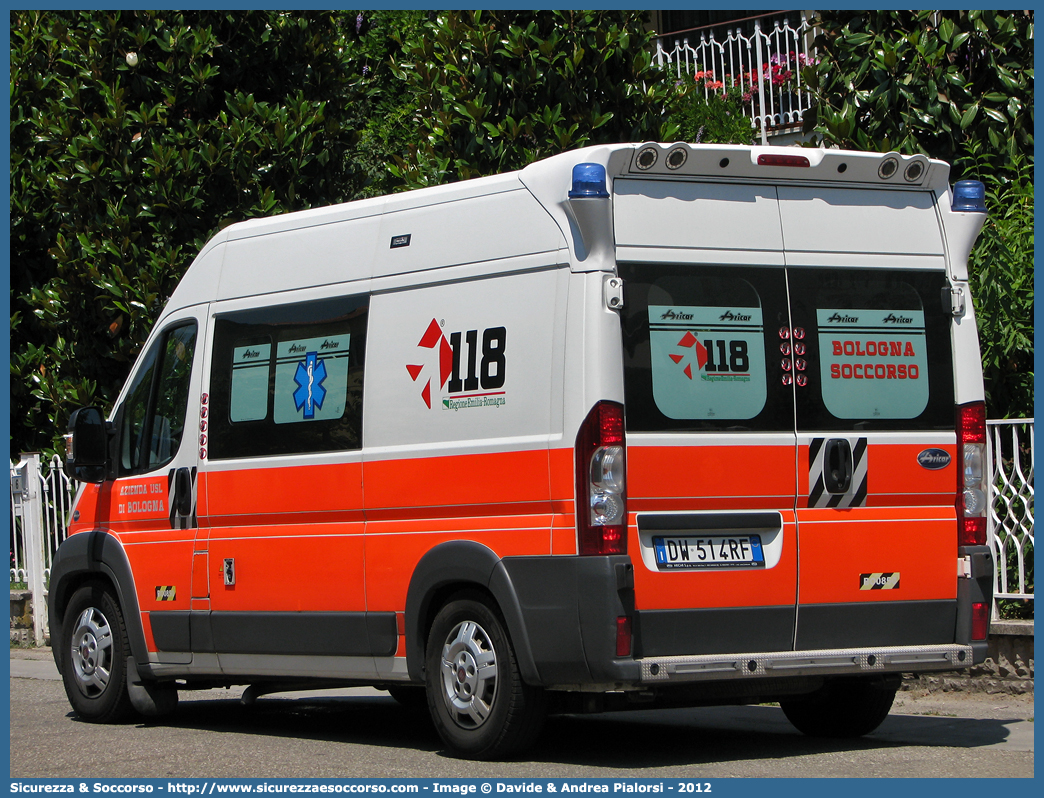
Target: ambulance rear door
pixel 709 417
pixel 875 418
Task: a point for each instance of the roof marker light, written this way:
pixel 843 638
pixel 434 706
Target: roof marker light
pixel 588 181
pixel 647 158
pixel 913 171
pixel 969 196
pixel 676 158
pixel 888 167
pixel 783 160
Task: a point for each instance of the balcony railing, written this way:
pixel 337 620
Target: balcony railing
pixel 759 56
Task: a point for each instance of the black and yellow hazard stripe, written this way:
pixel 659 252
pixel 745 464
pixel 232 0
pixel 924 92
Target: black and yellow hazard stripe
pixel 881 581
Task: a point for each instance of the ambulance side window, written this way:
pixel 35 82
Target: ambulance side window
pixel 153 415
pixel 287 379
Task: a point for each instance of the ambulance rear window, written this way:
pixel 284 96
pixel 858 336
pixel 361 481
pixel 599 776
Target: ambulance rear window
pixel 878 349
pixel 698 348
pixel 883 347
pixel 742 348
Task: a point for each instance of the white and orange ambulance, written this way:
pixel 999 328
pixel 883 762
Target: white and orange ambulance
pixel 638 425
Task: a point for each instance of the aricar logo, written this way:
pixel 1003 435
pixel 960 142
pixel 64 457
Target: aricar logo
pixel 485 366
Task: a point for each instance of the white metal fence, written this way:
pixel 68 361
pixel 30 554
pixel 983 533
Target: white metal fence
pixel 1010 454
pixel 41 497
pixel 764 65
pixel 40 501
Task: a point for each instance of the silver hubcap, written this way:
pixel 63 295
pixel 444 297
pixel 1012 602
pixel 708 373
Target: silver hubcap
pixel 469 674
pixel 92 652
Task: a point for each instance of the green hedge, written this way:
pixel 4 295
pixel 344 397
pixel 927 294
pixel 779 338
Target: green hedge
pixel 137 135
pixel 134 137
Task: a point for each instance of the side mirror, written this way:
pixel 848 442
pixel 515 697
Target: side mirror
pixel 87 446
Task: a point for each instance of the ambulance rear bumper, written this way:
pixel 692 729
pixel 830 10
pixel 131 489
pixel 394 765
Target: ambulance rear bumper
pixel 852 661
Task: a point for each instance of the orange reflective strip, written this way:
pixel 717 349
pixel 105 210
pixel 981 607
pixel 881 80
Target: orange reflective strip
pixel 894 470
pixel 393 552
pixel 707 473
pixel 689 504
pixel 161 563
pixel 491 480
pixel 834 552
pixel 260 492
pixel 280 569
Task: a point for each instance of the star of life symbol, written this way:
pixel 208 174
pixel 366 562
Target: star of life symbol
pixel 690 341
pixel 432 338
pixel 310 393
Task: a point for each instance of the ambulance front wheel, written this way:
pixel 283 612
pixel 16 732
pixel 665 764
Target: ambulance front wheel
pixel 94 653
pixel 843 708
pixel 479 704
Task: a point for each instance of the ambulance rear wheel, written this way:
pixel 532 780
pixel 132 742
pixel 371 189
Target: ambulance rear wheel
pixel 842 708
pixel 478 702
pixel 94 653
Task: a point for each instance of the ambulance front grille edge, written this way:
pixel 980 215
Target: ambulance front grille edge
pixel 712 667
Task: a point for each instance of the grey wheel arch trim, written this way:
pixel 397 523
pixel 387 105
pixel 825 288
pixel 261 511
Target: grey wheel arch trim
pixel 95 553
pixel 462 563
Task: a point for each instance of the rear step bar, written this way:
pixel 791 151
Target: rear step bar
pixel 900 659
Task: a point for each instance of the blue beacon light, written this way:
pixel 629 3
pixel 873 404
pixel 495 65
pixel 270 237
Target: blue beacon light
pixel 969 196
pixel 588 182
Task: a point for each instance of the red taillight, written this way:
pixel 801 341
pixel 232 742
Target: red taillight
pixel 601 496
pixel 623 636
pixel 980 621
pixel 971 474
pixel 971 423
pixel 782 160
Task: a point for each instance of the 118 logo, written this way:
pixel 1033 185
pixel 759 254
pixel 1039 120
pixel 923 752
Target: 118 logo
pixel 465 364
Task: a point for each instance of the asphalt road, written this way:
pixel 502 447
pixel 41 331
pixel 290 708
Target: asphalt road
pixel 364 733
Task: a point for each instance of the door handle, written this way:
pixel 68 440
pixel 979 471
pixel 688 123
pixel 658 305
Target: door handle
pixel 183 491
pixel 837 466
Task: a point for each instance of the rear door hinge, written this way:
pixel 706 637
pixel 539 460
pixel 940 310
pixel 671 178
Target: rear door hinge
pixel 964 568
pixel 612 290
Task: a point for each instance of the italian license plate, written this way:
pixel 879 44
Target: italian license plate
pixel 731 551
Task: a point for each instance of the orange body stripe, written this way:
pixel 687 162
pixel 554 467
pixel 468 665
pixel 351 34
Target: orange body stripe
pixel 492 480
pixel 838 545
pixel 711 477
pixel 303 540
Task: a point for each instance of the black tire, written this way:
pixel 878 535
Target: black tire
pixel 842 709
pixel 478 702
pixel 94 656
